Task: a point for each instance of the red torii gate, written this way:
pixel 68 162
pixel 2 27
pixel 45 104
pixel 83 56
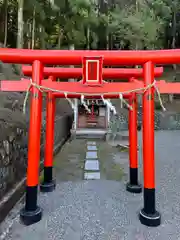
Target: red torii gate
pixel 116 73
pixel 32 213
pixel 48 183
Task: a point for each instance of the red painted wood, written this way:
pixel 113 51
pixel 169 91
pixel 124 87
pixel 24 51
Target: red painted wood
pixel 77 87
pixel 92 70
pixel 74 57
pixel 73 87
pixel 148 129
pixel 108 73
pixel 35 128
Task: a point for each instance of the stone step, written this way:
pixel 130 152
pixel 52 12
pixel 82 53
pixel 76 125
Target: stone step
pixel 91 165
pixel 92 175
pixel 89 133
pixel 91 148
pixel 90 136
pixel 91 155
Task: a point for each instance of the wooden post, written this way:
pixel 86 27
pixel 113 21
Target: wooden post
pixel 48 184
pixel 31 213
pixel 148 215
pixel 133 185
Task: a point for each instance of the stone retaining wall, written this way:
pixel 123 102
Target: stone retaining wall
pixel 162 121
pixel 14 146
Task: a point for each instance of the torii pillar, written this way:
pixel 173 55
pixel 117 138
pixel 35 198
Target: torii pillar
pixel 149 216
pixel 133 185
pixel 48 184
pixel 32 213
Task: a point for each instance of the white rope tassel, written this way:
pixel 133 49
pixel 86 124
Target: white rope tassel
pixel 159 97
pixel 70 102
pixel 84 104
pixel 109 104
pixel 124 101
pixel 121 99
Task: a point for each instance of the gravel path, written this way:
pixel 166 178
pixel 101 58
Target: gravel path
pixel 103 210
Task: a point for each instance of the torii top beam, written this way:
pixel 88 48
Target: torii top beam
pixel 108 73
pixel 74 57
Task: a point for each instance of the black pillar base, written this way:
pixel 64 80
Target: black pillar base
pixel 48 186
pixel 30 217
pixel 148 215
pixel 150 220
pixel 134 188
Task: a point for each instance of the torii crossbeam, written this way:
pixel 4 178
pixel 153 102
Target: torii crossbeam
pixel 74 89
pixel 107 73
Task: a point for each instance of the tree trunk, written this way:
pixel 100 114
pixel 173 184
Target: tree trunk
pixel 42 37
pixel 174 30
pixel 102 30
pixel 137 10
pixel 173 46
pixel 29 35
pixel 71 47
pixel 59 40
pixel 33 28
pixel 60 36
pixel 20 24
pixel 88 38
pixel 5 22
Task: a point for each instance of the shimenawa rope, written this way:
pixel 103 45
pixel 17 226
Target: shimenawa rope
pixel 144 89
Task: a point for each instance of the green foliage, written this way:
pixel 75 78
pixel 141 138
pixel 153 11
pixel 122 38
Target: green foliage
pixel 139 29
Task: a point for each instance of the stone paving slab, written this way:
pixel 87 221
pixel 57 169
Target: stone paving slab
pixel 92 175
pixel 91 148
pixel 91 155
pixel 91 165
pixel 104 210
pixel 91 143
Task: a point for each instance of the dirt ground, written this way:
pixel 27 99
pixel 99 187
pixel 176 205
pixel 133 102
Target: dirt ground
pixel 69 163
